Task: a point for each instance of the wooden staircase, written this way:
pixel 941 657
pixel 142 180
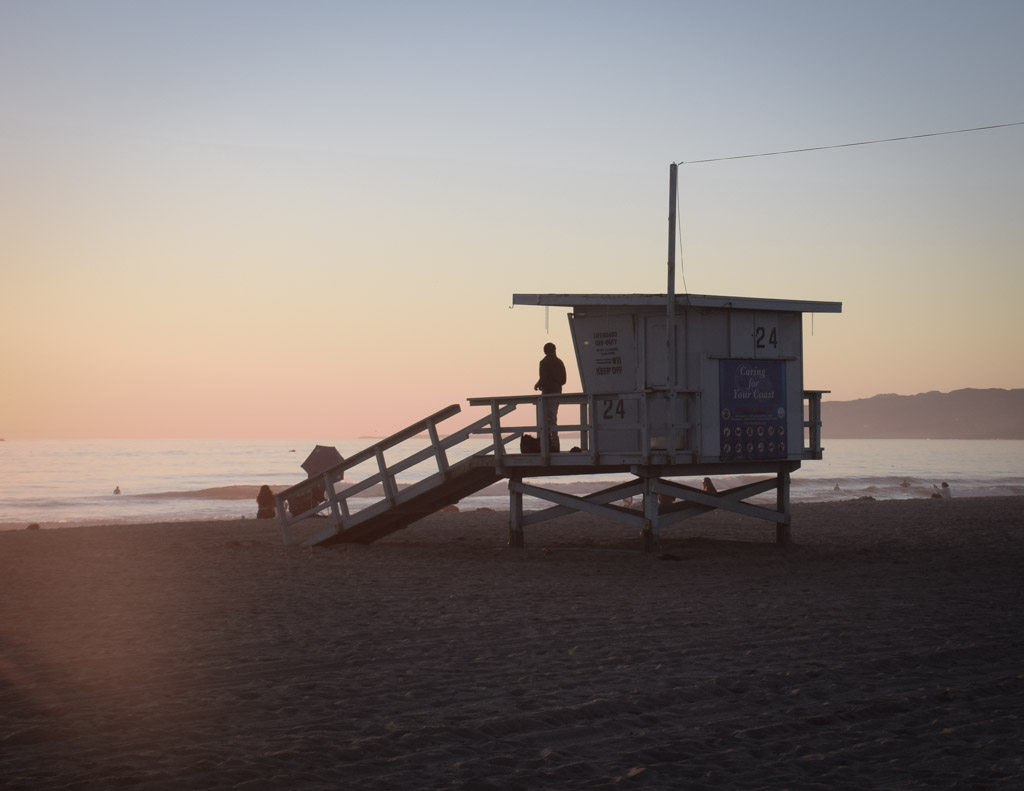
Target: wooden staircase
pixel 399 507
pixel 466 479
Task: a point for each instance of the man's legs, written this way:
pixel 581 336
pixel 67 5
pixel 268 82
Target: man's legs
pixel 551 419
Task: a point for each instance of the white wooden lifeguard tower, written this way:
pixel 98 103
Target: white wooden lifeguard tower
pixel 674 386
pixel 722 393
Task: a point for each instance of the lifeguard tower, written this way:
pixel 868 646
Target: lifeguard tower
pixel 673 386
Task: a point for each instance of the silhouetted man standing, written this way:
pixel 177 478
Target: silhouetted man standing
pixel 552 377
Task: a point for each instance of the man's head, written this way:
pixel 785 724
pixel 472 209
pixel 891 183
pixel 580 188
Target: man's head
pixel 549 348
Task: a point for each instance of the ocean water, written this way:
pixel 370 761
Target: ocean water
pixel 71 482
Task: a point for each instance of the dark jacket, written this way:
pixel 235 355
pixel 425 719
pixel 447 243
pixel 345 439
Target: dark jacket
pixel 552 374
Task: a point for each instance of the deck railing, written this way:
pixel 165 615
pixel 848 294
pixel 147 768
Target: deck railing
pixel 587 431
pixel 684 443
pixel 812 409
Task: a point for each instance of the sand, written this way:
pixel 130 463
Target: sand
pixel 883 650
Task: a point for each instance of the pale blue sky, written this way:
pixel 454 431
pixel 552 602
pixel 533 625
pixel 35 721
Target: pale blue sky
pixel 193 189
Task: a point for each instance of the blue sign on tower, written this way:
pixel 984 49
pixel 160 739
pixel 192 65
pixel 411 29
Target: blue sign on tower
pixel 752 409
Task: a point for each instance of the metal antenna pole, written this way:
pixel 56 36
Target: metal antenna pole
pixel 673 179
pixel 670 339
pixel 670 329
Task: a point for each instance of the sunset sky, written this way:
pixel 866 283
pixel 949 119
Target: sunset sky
pixel 234 218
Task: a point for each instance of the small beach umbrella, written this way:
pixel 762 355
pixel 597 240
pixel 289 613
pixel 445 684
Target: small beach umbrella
pixel 322 458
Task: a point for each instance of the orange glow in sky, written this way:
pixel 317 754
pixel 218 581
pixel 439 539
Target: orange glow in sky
pixel 236 220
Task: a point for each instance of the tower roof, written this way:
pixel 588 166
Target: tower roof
pixel 682 301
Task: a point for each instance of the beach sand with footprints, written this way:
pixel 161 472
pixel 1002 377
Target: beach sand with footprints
pixel 882 650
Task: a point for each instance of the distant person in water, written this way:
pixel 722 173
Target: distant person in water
pixel 945 492
pixel 117 490
pixel 265 503
pixel 552 377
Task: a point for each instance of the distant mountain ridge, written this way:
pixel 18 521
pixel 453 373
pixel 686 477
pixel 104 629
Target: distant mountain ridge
pixel 961 414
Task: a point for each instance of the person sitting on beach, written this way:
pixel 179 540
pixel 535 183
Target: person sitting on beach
pixel 709 486
pixel 945 492
pixel 265 503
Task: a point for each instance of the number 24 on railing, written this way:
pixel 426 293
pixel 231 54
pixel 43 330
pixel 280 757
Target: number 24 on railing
pixel 613 408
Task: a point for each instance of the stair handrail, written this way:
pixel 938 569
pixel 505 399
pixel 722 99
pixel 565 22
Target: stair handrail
pixel 337 501
pixel 436 448
pixel 328 476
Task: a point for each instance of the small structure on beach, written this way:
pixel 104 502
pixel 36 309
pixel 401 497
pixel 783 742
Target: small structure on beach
pixel 701 386
pixel 674 386
pixel 724 385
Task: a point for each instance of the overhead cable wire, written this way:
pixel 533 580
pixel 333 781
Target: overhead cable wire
pixel 849 145
pixel 679 233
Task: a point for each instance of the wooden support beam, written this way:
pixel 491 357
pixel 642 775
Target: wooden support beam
pixel 516 539
pixel 335 504
pixel 499 446
pixel 782 533
pixel 438 447
pixel 619 491
pixel 573 503
pixel 695 502
pixel 386 476
pixel 650 529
